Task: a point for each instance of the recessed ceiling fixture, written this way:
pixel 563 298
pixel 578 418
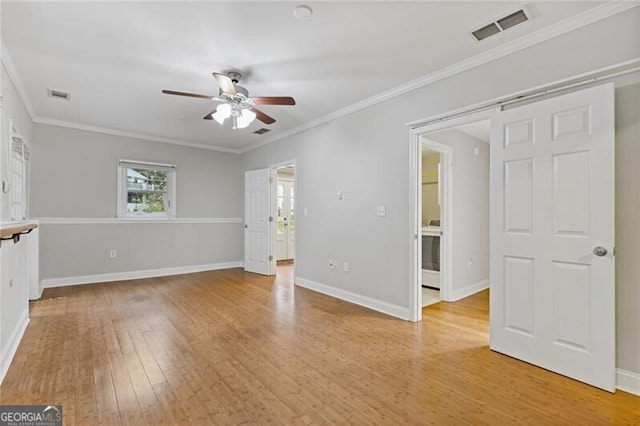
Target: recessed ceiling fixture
pixel 236 103
pixel 501 24
pixel 57 94
pixel 261 131
pixel 302 11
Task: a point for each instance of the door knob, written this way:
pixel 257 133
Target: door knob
pixel 600 251
pixel 246 226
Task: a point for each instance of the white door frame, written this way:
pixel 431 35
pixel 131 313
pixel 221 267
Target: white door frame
pixel 415 206
pixel 274 167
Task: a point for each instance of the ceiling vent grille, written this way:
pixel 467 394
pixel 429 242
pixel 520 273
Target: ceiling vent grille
pixel 501 24
pixel 262 131
pixel 57 94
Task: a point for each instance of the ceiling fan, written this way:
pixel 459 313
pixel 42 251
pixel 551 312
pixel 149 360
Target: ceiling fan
pixel 236 102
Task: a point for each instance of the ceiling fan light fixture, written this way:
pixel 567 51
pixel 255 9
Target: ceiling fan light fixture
pixel 244 118
pixel 222 113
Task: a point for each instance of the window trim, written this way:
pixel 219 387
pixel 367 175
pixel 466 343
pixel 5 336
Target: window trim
pixel 122 192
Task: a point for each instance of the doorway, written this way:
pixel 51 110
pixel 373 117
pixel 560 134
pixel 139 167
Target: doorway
pixel 454 212
pixel 285 234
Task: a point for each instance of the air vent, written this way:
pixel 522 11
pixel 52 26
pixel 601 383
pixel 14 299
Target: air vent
pixel 57 94
pixel 501 24
pixel 512 20
pixel 262 131
pixel 484 32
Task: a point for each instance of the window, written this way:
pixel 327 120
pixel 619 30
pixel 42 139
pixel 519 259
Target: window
pixel 19 176
pixel 146 189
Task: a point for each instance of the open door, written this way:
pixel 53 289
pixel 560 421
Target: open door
pixel 257 221
pixel 552 235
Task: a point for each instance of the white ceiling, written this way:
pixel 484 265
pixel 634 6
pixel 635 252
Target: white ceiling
pixel 115 58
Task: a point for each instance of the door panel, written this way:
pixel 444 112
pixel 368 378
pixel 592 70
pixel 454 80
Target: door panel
pixel 257 230
pixel 552 203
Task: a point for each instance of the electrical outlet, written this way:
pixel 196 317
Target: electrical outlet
pixel 382 211
pixel 345 266
pixel 112 254
pixel 469 263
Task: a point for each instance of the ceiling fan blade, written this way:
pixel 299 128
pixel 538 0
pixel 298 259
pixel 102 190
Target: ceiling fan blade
pixel 263 117
pixel 210 115
pixel 225 83
pixel 274 100
pixel 192 95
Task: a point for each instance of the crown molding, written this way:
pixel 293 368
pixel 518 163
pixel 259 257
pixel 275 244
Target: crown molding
pixel 583 19
pixel 134 135
pixel 5 58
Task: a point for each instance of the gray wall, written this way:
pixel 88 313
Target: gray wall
pixel 366 154
pixel 469 207
pixel 74 176
pixel 628 227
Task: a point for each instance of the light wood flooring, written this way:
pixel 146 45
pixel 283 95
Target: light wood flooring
pixel 228 347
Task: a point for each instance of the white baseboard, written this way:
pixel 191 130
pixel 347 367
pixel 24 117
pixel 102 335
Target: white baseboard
pixel 469 290
pixel 134 275
pixel 397 311
pixel 628 381
pixel 12 344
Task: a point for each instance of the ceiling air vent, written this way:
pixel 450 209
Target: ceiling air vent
pixel 501 24
pixel 57 94
pixel 261 131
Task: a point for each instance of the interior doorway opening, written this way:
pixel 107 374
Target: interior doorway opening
pixel 452 217
pixel 285 235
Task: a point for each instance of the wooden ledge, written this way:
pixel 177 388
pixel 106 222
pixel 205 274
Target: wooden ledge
pixel 10 231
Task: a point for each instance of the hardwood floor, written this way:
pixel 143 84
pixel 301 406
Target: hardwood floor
pixel 228 347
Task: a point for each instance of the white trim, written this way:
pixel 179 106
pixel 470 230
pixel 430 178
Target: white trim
pixel 120 221
pixel 397 311
pixel 128 162
pixel 39 294
pixel 572 23
pixel 123 190
pixel 13 76
pixel 575 22
pixel 13 343
pixel 134 135
pixel 628 381
pixel 134 275
pixel 469 290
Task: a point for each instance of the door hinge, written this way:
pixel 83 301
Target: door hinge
pixel 270 218
pixel 270 258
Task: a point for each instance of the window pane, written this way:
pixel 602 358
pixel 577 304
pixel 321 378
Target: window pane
pixel 280 190
pixel 146 191
pixel 292 192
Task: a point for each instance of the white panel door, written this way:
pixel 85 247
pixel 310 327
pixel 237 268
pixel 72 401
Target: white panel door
pixel 552 218
pixel 285 220
pixel 257 232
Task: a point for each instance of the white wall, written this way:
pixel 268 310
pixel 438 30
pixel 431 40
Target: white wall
pixel 366 154
pixel 74 176
pixel 470 210
pixel 14 306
